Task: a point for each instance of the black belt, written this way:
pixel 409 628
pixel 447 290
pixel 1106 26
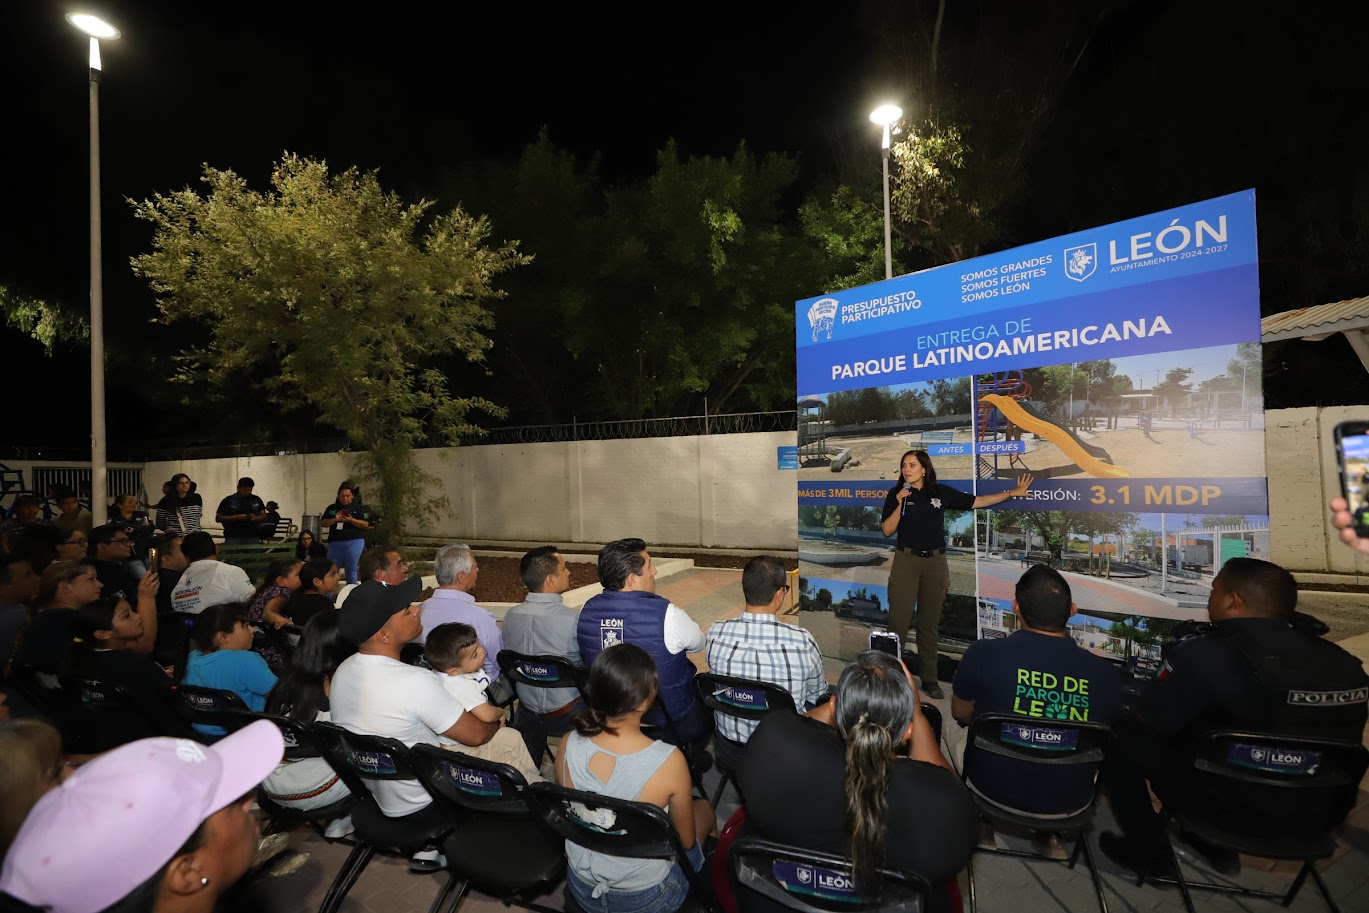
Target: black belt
pixel 932 554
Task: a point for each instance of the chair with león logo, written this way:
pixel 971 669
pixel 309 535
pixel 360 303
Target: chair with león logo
pixel 813 882
pixel 1267 795
pixel 498 845
pixel 361 760
pixel 210 707
pixel 746 699
pixel 1049 743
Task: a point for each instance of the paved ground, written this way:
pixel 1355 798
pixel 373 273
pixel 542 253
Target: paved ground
pixel 1003 884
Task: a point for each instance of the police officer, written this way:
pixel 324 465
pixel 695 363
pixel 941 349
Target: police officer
pixel 915 509
pixel 1258 666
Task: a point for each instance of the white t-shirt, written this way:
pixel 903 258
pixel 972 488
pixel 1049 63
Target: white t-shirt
pixel 210 582
pixel 377 695
pixel 682 634
pixel 468 688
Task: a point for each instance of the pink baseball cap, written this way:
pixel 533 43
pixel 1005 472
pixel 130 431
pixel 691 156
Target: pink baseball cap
pixel 131 809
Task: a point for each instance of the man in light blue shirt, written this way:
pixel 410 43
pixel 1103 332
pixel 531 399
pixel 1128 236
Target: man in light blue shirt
pixel 457 571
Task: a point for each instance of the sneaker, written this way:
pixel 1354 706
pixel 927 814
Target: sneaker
pixel 339 828
pixel 932 690
pixel 1049 846
pixel 1134 858
pixel 1221 860
pixel 425 862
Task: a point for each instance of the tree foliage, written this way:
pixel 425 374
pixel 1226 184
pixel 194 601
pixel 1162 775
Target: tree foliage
pixel 47 323
pixel 329 290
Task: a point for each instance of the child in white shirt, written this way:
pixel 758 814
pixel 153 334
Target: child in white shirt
pixel 456 655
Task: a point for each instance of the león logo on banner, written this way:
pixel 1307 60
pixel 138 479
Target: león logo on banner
pixel 1081 261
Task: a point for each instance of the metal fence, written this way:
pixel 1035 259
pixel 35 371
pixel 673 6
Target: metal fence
pixel 120 480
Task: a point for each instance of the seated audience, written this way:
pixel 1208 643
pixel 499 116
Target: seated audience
pixel 171 563
pixel 302 695
pixel 382 562
pixel 374 693
pixel 30 765
pixel 23 516
pixel 1004 675
pixel 543 625
pixel 207 580
pixel 181 509
pixel 456 655
pixel 222 658
pixel 629 611
pixel 307 548
pixel 264 612
pixel 318 580
pixel 160 825
pixel 45 643
pixel 104 635
pixel 874 784
pixel 18 587
pixel 1259 666
pixel 40 544
pixel 757 645
pixel 71 515
pixel 136 524
pixel 457 571
pixel 266 527
pixel 608 754
pixel 110 552
pixel 72 544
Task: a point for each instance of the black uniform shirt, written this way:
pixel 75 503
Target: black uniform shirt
pixel 922 527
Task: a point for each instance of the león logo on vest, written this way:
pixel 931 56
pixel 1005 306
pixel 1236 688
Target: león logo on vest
pixel 610 632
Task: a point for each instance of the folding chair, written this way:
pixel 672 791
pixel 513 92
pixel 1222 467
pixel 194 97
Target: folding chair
pixel 638 831
pixel 1323 775
pixel 1049 743
pixel 744 698
pixel 112 717
pixel 359 760
pixel 541 671
pixel 210 707
pixel 813 882
pixel 497 844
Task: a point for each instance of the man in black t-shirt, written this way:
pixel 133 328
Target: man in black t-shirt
pixel 240 515
pixel 1258 666
pixel 110 550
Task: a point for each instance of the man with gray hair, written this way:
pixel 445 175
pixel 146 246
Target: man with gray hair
pixel 457 571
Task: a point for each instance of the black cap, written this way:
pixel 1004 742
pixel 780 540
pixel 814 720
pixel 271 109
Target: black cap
pixel 372 604
pixel 246 482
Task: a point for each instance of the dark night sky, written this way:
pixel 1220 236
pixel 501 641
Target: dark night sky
pixel 1173 102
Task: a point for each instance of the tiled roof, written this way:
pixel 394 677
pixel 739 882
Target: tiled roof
pixel 1321 320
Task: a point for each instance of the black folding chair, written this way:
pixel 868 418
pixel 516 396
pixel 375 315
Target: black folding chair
pixel 113 718
pixel 744 698
pixel 360 760
pixel 300 745
pixel 497 844
pixel 813 882
pixel 210 707
pixel 60 706
pixel 1297 791
pixel 1049 743
pixel 413 654
pixel 638 831
pixel 933 716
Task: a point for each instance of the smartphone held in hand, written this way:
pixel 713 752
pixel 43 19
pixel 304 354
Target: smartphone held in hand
pixel 886 642
pixel 1352 459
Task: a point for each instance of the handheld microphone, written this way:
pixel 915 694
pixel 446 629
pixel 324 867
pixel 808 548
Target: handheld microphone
pixel 907 486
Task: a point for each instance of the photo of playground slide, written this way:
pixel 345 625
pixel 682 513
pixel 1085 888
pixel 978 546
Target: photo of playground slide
pixel 1196 413
pixel 866 431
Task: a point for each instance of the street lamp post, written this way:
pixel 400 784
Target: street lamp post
pixel 96 28
pixel 886 116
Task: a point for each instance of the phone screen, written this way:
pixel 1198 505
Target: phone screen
pixel 152 560
pixel 885 642
pixel 1354 468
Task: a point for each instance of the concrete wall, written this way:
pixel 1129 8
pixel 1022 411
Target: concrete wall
pixel 721 490
pixel 714 490
pixel 1301 461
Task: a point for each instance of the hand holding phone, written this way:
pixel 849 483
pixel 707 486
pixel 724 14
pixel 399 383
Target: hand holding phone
pixel 153 560
pixel 1352 459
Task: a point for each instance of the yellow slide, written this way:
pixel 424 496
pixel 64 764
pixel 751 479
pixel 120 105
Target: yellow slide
pixel 1087 457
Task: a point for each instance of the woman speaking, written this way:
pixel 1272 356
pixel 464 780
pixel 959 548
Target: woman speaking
pixel 916 508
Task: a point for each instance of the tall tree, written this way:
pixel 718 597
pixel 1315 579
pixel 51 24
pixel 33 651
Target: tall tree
pixel 331 291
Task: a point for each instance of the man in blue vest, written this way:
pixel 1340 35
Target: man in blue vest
pixel 630 611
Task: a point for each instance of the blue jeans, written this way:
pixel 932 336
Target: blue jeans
pixel 346 553
pixel 665 897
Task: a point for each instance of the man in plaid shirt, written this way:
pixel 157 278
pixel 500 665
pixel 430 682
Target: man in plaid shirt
pixel 757 645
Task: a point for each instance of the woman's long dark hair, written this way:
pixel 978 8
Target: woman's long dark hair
pixel 215 620
pixel 299 693
pixel 172 500
pixel 281 567
pixel 874 705
pixel 316 548
pixel 92 617
pixel 622 677
pixel 928 473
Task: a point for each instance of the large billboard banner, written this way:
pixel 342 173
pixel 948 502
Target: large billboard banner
pixel 1119 367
